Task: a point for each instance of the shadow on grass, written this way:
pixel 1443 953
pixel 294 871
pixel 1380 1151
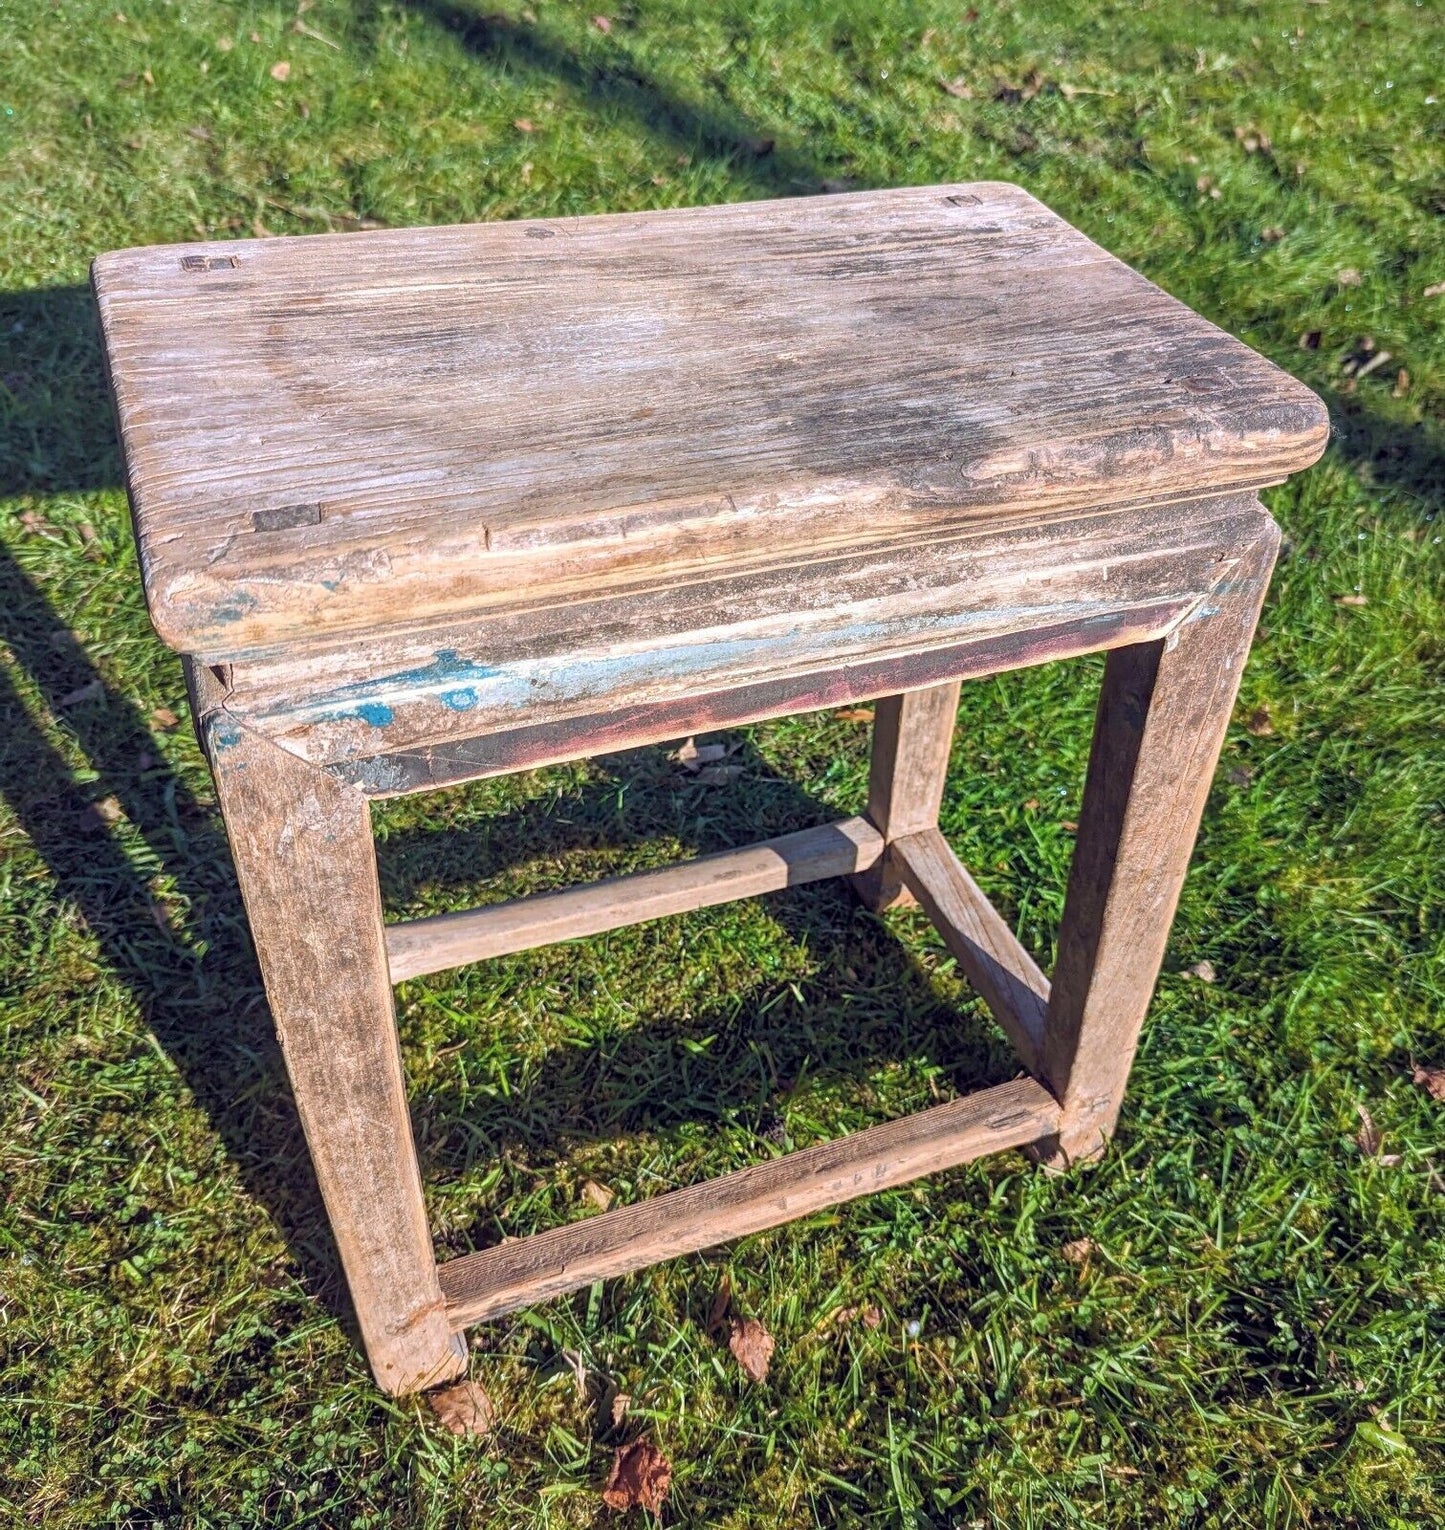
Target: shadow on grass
pixel 739 1061
pixel 612 82
pixel 192 975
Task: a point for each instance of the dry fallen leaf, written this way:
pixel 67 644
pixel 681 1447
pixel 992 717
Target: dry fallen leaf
pixel 280 70
pixel 1352 600
pixel 164 719
pixel 1204 971
pixel 524 125
pixel 1031 804
pixel 1258 723
pixel 693 756
pixel 855 715
pixel 617 1408
pixel 1078 1251
pixel 1402 384
pixel 640 1478
pixel 1435 289
pixel 602 23
pixel 598 1195
pixel 1273 234
pixel 752 1346
pixel 959 88
pixel 1348 277
pixel 1431 1080
pixel 1370 1139
pixel 464 1409
pixel 34 522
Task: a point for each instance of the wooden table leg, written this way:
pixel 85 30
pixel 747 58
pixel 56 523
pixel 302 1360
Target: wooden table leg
pixel 912 735
pixel 307 866
pixel 1160 725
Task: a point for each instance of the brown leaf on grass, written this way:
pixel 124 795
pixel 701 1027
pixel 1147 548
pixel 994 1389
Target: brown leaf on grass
pixel 1402 384
pixel 1259 723
pixel 99 815
pixel 1435 289
pixel 1347 276
pixel 164 719
pixel 1252 140
pixel 1310 340
pixel 855 715
pixel 1273 234
pixel 718 1308
pixel 617 1408
pixel 1352 600
pixel 640 1478
pixel 960 89
pixel 597 1195
pixel 34 522
pixel 692 756
pixel 1370 1139
pixel 1204 971
pixel 280 70
pixel 1079 1250
pixel 752 1347
pixel 602 23
pixel 524 125
pixel 1031 804
pixel 224 44
pixel 1431 1080
pixel 464 1409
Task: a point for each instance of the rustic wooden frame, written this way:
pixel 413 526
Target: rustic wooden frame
pixel 300 833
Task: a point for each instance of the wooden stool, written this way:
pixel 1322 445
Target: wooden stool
pixel 422 506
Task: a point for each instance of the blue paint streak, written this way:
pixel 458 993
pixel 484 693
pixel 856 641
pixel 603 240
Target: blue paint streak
pixel 462 700
pixel 373 712
pixel 225 735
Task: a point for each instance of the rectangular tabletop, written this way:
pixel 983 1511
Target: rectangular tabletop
pixel 360 433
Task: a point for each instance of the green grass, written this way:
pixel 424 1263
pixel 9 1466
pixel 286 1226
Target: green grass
pixel 1257 1339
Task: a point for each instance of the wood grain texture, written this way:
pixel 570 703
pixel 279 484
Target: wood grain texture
pixel 1004 975
pixel 513 1275
pixel 912 736
pixel 357 432
pixel 304 856
pixel 419 946
pixel 825 618
pixel 1161 722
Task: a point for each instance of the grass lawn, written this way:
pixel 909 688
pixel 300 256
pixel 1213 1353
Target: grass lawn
pixel 1255 1335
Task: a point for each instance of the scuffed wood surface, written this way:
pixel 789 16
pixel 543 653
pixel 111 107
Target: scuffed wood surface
pixel 828 618
pixel 1162 716
pixel 502 1279
pixel 357 432
pixel 307 868
pixel 418 946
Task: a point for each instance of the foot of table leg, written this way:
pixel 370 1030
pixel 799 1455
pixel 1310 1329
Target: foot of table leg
pixel 307 867
pixel 1160 725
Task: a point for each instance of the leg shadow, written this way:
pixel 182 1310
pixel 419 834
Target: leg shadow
pixel 185 959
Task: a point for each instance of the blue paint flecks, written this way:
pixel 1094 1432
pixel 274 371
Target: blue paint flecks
pixel 225 734
pixel 445 677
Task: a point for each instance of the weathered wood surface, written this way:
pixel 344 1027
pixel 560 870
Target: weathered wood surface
pixel 500 1280
pixel 828 619
pixel 1161 722
pixel 418 946
pixel 912 737
pixel 351 433
pixel 1004 975
pixel 304 856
